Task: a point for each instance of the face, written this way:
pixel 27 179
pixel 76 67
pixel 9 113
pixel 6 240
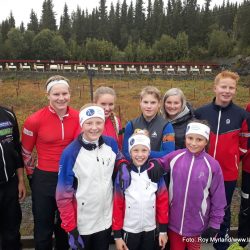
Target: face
pixel 139 155
pixel 195 143
pixel 92 129
pixel 224 90
pixel 107 102
pixel 59 98
pixel 173 106
pixel 149 106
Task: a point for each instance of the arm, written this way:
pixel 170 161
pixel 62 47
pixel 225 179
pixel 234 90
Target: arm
pixel 118 209
pixel 167 144
pixel 218 198
pixel 29 137
pixel 65 193
pixel 127 134
pixel 162 212
pixel 120 134
pixel 244 140
pixel 20 175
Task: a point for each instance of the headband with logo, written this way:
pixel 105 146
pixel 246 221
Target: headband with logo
pixel 90 112
pixel 198 128
pixel 138 139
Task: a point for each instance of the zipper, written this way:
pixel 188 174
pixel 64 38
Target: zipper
pixel 62 128
pixel 4 163
pixel 201 218
pixel 217 134
pixel 185 197
pixel 236 162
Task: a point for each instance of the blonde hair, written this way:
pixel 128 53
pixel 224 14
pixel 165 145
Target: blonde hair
pixel 151 90
pixel 56 78
pixel 102 91
pixel 139 131
pixel 227 74
pixel 89 105
pixel 173 92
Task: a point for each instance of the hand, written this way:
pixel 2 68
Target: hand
pixel 21 191
pixel 75 240
pixel 155 171
pixel 120 244
pixel 163 239
pixel 210 233
pixel 124 176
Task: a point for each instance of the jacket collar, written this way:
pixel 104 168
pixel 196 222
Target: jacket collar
pixel 90 146
pixel 218 107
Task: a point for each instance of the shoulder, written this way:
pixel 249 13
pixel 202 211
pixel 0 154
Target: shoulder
pixel 36 118
pixel 110 141
pixel 6 111
pixel 73 112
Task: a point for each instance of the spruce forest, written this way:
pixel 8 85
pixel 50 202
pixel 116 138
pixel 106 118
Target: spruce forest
pixel 144 31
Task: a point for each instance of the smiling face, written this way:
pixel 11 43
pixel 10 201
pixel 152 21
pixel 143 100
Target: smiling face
pixel 107 102
pixel 173 106
pixel 149 106
pixel 224 90
pixel 92 129
pixel 139 155
pixel 59 97
pixel 195 143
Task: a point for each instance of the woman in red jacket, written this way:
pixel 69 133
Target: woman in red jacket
pixel 49 130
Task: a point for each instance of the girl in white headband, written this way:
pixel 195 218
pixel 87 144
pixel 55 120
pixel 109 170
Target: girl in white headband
pixel 85 188
pixel 197 193
pixel 49 130
pixel 145 201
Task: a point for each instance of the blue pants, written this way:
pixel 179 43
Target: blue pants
pixel 225 225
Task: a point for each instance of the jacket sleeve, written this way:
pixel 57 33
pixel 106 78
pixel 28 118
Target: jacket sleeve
pixel 218 198
pixel 65 192
pixel 17 144
pixel 29 137
pixel 244 142
pixel 162 205
pixel 118 209
pixel 127 134
pixel 167 144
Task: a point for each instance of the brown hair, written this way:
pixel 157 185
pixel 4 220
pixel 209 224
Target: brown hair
pixel 151 90
pixel 227 74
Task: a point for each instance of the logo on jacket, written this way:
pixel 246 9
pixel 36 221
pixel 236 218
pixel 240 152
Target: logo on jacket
pixel 154 134
pixel 90 112
pixel 228 121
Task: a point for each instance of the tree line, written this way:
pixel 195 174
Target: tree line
pixel 178 30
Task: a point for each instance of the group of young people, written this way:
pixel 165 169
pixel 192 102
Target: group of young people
pixel 155 184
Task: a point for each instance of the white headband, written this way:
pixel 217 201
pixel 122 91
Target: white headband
pixel 53 83
pixel 90 112
pixel 198 128
pixel 138 139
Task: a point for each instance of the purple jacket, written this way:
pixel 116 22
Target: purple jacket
pixel 196 192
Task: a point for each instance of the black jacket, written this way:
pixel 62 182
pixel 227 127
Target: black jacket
pixel 10 146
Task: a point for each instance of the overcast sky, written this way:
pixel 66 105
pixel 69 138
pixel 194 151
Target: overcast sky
pixel 21 8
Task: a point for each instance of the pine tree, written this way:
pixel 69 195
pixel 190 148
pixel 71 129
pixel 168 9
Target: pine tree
pixel 33 25
pixel 48 20
pixel 65 25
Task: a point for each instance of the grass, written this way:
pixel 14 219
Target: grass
pixel 26 96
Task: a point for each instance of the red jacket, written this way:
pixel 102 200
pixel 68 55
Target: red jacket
pixel 114 129
pixel 228 138
pixel 50 135
pixel 246 158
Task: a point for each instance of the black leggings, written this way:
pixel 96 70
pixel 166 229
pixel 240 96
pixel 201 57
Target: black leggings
pixel 97 241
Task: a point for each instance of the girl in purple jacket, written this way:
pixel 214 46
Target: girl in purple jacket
pixel 196 191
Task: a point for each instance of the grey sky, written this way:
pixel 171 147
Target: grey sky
pixel 21 8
